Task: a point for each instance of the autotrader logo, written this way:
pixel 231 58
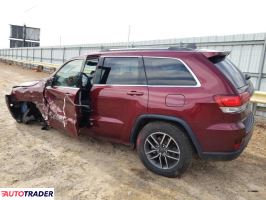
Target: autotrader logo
pixel 27 193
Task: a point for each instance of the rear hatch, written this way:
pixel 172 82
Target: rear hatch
pixel 239 103
pixel 240 81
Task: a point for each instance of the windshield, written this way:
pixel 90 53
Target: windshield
pixel 232 73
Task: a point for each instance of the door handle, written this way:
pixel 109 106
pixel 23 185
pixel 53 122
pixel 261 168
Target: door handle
pixel 135 93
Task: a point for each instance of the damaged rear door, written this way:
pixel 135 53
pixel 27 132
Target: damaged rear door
pixel 62 98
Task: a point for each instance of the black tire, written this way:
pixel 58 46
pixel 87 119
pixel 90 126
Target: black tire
pixel 178 142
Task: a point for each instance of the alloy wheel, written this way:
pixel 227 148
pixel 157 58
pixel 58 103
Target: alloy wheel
pixel 162 150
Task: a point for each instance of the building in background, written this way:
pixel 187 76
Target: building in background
pixel 23 36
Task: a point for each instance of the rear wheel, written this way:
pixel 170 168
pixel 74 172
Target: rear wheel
pixel 164 149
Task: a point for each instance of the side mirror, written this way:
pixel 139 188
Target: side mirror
pixel 85 81
pixel 49 82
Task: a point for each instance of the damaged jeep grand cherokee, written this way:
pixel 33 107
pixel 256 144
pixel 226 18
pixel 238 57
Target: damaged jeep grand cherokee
pixel 168 103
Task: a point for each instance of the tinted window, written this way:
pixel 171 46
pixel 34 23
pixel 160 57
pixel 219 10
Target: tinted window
pixel 68 75
pixel 233 74
pixel 125 71
pixel 165 71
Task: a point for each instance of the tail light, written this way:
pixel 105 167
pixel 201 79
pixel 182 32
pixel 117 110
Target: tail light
pixel 232 103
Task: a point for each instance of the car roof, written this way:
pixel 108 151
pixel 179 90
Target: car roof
pixel 156 52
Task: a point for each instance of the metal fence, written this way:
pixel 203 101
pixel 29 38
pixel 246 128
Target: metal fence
pixel 248 51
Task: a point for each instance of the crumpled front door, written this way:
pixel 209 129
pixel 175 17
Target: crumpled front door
pixel 62 110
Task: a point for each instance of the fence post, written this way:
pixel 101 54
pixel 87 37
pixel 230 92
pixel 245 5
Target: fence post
pixel 51 55
pixel 79 50
pixel 64 49
pixel 41 54
pixel 262 61
pixel 258 84
pixel 33 54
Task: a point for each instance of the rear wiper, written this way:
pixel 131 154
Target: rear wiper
pixel 247 76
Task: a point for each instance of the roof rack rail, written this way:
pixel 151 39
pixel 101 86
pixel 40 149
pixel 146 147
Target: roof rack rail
pixel 134 49
pixel 174 48
pixel 188 47
pixel 184 47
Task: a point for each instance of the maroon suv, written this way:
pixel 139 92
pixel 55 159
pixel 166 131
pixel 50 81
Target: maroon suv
pixel 169 103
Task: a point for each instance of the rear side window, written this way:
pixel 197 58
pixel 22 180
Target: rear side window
pixel 122 71
pixel 168 71
pixel 232 73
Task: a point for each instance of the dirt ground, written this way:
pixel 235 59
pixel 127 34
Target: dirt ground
pixel 87 168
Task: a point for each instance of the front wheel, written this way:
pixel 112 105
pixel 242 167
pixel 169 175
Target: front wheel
pixel 164 149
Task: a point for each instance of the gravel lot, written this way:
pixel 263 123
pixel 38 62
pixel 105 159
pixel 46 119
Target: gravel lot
pixel 86 168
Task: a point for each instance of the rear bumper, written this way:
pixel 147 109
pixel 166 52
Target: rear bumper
pixel 249 126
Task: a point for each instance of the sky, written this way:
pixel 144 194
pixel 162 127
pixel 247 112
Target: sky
pixel 98 21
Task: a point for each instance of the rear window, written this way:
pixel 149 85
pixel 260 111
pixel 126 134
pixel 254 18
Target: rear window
pixel 122 71
pixel 168 71
pixel 232 73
